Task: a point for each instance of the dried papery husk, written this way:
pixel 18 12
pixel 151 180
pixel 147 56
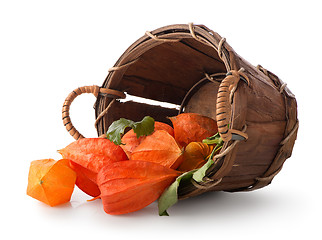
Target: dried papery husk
pixel 51 182
pixel 131 141
pixel 159 147
pixel 86 179
pixel 192 127
pixel 91 154
pixel 129 186
pixel 195 156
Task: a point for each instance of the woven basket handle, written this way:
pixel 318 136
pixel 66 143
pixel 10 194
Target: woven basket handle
pixel 226 90
pixel 95 90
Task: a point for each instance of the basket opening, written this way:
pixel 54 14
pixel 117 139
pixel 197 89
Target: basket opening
pixel 167 73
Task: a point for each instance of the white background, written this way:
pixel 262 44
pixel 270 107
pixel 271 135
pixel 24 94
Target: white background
pixel 49 48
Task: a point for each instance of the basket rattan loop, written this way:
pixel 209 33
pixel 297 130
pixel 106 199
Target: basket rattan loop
pixel 95 90
pixel 221 43
pixel 226 90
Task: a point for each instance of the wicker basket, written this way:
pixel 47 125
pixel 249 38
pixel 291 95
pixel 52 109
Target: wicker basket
pixel 195 68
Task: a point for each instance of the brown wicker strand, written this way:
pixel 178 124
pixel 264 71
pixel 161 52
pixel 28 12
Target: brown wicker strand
pixel 207 184
pixel 294 130
pixel 220 45
pixel 208 77
pixel 219 49
pixel 154 37
pixel 260 68
pixel 193 34
pixel 270 177
pixel 282 87
pixel 115 68
pixel 228 149
pixel 103 112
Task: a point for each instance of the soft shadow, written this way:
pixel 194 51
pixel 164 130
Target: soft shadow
pixel 224 204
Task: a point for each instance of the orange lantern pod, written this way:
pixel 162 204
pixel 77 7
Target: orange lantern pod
pixel 51 182
pixel 131 141
pixel 159 147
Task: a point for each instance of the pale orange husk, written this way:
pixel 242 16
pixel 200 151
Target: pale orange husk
pixel 51 182
pixel 131 141
pixel 159 147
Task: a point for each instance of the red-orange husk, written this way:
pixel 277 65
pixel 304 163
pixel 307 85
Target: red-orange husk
pixel 192 127
pixel 159 147
pixel 129 186
pixel 131 141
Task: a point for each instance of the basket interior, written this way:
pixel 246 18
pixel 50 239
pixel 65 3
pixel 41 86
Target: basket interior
pixel 166 73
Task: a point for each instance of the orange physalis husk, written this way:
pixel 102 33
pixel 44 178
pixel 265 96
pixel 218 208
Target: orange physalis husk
pixel 91 154
pixel 195 156
pixel 51 182
pixel 129 186
pixel 192 127
pixel 131 141
pixel 86 179
pixel 159 147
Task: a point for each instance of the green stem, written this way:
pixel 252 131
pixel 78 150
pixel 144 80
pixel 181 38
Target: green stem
pixel 215 139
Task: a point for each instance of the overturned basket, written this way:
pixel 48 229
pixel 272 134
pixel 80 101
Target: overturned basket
pixel 193 67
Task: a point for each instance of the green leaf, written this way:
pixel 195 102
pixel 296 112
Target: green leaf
pixel 144 127
pixel 117 128
pixel 170 196
pixel 201 172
